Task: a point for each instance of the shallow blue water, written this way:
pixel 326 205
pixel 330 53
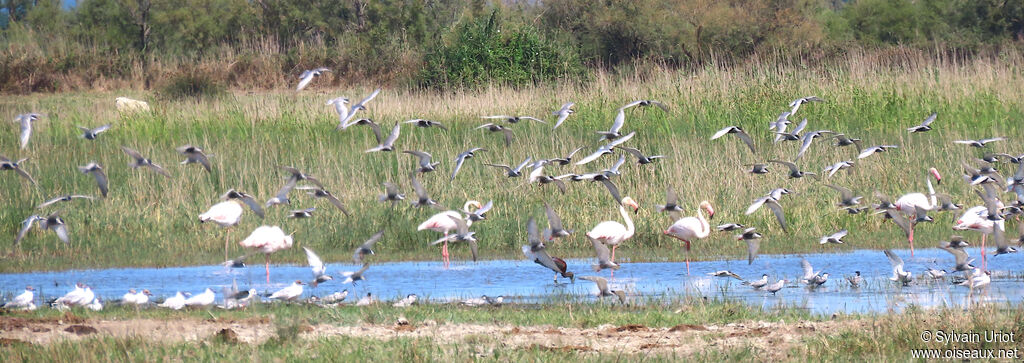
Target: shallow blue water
pixel 524 281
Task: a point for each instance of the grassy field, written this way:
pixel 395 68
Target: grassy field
pixel 715 330
pixel 149 220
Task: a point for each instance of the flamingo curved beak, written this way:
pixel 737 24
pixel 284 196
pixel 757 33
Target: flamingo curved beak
pixel 935 173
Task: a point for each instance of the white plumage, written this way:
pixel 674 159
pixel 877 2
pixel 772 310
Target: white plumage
pixel 23 300
pixel 267 240
pixel 176 302
pixel 289 293
pixel 205 299
pixel 225 214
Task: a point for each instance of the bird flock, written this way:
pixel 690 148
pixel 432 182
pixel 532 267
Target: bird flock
pixel 454 226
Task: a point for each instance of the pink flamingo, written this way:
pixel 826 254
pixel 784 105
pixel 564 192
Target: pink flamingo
pixel 442 222
pixel 267 240
pixel 224 214
pixel 689 228
pixel 613 233
pixel 908 203
pixel 976 219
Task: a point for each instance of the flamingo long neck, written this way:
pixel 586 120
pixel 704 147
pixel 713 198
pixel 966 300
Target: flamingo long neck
pixel 629 221
pixel 705 228
pixel 931 192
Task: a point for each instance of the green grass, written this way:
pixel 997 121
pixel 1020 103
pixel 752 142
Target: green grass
pixel 886 337
pixel 566 313
pixel 152 221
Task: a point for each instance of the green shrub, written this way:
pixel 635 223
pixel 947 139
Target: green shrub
pixel 192 85
pixel 480 52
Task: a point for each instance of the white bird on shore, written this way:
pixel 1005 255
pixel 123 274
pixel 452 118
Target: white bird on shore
pixel 366 300
pixel 175 303
pixel 335 298
pixel 774 288
pixel 132 297
pixel 24 301
pixel 81 295
pixel 406 302
pixel 136 298
pixel 477 301
pixel 95 304
pixel 206 298
pixel 289 293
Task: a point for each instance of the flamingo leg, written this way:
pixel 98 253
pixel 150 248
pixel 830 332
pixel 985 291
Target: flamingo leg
pixel 687 257
pixel 983 251
pixel 268 267
pixel 444 253
pixel 226 238
pixel 613 252
pixel 911 240
pixel 444 249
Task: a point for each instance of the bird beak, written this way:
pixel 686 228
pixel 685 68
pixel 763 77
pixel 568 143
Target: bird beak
pixel 938 177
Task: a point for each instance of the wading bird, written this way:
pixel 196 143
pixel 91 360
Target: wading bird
pixel 613 233
pixel 267 240
pixel 687 229
pixel 536 251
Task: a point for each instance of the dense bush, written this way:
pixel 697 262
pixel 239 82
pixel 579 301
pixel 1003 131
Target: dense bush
pixel 478 52
pixel 191 84
pixel 460 42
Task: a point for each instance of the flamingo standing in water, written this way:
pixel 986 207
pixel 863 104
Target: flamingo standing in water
pixel 443 222
pixel 976 219
pixel 224 214
pixel 229 212
pixel 267 240
pixel 909 203
pixel 613 233
pixel 689 228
